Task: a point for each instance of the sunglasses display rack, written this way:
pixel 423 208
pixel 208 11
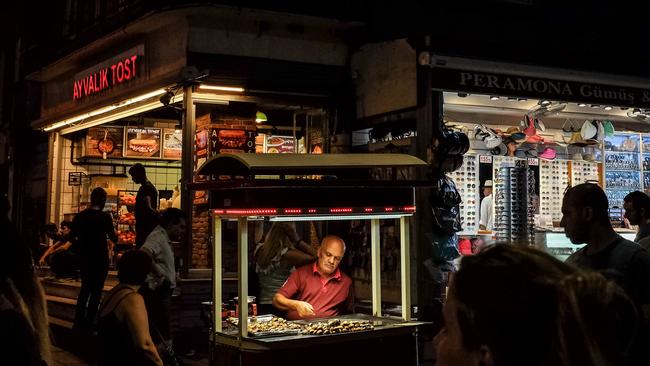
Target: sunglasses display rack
pixel 583 172
pixel 514 207
pixel 467 183
pixel 554 179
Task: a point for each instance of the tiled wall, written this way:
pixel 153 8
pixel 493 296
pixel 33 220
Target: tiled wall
pixel 164 175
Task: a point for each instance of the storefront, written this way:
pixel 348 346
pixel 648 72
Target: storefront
pixel 171 91
pixel 535 131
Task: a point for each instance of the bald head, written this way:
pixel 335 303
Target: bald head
pixel 589 195
pixel 330 254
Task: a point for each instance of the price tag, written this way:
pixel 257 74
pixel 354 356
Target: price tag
pixel 485 159
pixel 533 162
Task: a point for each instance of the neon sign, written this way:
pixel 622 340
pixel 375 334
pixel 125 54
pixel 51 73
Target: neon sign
pixel 106 78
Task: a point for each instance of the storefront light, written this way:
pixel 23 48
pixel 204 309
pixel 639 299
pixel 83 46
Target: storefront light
pixel 582 105
pixel 608 108
pixel 103 110
pixel 222 88
pixel 494 97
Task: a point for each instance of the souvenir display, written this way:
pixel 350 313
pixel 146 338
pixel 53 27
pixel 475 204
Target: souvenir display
pixel 467 183
pixel 622 169
pixel 554 180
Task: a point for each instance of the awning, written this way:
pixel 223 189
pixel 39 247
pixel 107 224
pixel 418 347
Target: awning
pixel 251 164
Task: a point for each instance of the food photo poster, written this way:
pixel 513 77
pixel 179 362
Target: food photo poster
pixel 143 142
pixel 104 142
pixel 172 144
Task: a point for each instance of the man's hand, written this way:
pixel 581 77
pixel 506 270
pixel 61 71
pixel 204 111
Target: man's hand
pixel 41 262
pixel 304 308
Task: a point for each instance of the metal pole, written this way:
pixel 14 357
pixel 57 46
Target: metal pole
pixel 376 267
pixel 217 283
pixel 187 171
pixel 405 269
pixel 242 274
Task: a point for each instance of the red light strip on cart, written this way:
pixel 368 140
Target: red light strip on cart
pixel 313 211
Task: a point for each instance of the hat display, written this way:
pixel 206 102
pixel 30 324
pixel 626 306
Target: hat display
pixel 535 139
pixel 588 130
pixel 512 130
pixel 609 128
pixel 600 136
pixel 487 184
pixel 548 153
pixel 530 130
pixel 519 137
pixel 576 156
pixel 589 157
pixel 531 153
pixel 500 149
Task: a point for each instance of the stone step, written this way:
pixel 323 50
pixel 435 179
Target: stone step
pixel 61 308
pixel 60 322
pixel 68 288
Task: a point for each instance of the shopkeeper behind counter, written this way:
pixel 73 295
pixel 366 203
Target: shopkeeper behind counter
pixel 320 289
pixel 486 218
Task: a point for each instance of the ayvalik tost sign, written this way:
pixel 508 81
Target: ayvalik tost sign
pixel 118 70
pixel 541 88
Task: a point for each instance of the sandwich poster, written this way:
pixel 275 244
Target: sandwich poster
pixel 172 144
pixel 104 142
pixel 143 143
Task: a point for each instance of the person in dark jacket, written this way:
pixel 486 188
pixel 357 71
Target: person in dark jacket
pixel 147 216
pixel 93 235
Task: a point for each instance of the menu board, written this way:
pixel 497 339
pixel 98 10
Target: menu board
pixel 143 142
pixel 280 144
pixel 224 140
pixel 105 142
pixel 172 144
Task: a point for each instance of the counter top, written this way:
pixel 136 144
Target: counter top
pixel 384 326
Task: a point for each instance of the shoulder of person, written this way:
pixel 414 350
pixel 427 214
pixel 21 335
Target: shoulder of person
pixel 345 278
pixel 645 243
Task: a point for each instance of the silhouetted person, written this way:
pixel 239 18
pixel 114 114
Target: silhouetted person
pixel 637 212
pixel 93 234
pixel 585 218
pixel 24 334
pixel 146 203
pixel 124 337
pixel 161 280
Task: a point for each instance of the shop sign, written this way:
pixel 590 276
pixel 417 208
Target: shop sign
pixel 110 73
pixel 489 83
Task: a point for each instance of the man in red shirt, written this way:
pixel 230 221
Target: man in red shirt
pixel 320 289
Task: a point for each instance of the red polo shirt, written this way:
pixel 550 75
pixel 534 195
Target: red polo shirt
pixel 328 296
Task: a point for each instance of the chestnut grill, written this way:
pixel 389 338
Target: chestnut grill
pixel 294 187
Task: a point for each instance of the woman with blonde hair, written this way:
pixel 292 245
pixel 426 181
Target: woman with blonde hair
pixel 511 306
pixel 280 253
pixel 24 332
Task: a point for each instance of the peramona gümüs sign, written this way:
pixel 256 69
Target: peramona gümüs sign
pixel 522 86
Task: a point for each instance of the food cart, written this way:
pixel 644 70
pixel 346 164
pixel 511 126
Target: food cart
pixel 293 187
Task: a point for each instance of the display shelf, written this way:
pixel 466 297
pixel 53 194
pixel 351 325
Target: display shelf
pixel 125 223
pixel 467 182
pixel 553 178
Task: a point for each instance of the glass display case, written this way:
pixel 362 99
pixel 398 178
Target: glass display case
pixel 622 159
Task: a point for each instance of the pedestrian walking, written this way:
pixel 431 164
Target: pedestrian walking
pixel 161 280
pixel 94 236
